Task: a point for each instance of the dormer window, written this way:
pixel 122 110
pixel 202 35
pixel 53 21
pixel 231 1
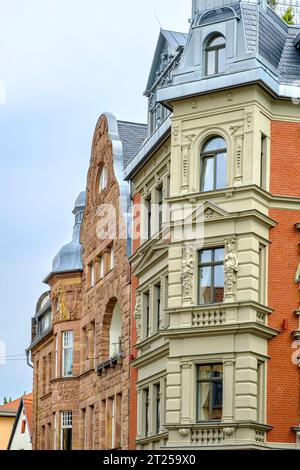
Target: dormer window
pixel 215 55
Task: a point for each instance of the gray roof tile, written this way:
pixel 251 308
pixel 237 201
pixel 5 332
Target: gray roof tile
pixel 132 136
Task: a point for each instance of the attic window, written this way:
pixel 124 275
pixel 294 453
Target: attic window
pixel 215 55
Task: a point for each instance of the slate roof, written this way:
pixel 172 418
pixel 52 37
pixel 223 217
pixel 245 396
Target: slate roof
pixel 174 38
pixel 132 136
pixel 220 14
pixel 276 41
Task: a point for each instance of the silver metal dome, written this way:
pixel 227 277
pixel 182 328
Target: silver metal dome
pixel 69 258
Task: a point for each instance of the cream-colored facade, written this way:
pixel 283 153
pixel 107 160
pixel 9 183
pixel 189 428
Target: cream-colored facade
pixel 233 334
pixel 6 425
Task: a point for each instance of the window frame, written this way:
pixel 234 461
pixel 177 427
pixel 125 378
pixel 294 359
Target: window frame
pixel 216 49
pixel 211 264
pixel 66 426
pixel 211 381
pixel 65 350
pixel 213 154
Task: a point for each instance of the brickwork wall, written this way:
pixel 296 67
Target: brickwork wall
pixel 283 400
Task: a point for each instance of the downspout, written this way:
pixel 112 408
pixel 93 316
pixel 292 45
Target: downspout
pixel 28 359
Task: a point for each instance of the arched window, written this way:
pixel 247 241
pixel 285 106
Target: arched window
pixel 215 55
pixel 115 332
pixel 214 164
pixel 102 179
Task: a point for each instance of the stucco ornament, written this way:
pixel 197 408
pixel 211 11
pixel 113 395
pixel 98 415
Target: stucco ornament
pixel 138 316
pixel 183 432
pixel 187 274
pixel 231 267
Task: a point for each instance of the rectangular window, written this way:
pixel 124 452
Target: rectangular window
pixel 66 430
pixel 23 427
pixel 56 356
pixel 91 428
pixel 160 206
pixel 211 276
pixel 158 306
pixel 111 258
pixel 101 262
pixel 147 313
pixel 263 162
pixel 113 422
pixel 262 275
pixel 146 412
pixel 260 392
pixel 157 408
pixel 54 431
pixel 209 392
pixel 92 275
pixel 149 216
pixel 84 428
pixel 67 353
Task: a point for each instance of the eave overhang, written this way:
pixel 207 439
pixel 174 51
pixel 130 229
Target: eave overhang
pixel 149 147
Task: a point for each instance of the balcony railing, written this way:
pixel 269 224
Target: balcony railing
pixel 115 358
pixel 216 315
pixel 247 434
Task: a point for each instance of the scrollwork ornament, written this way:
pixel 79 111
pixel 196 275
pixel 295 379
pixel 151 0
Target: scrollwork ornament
pixel 187 274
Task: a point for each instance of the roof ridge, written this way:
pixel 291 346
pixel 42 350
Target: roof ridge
pixel 132 122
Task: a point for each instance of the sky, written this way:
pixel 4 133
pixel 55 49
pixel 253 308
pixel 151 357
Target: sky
pixel 62 62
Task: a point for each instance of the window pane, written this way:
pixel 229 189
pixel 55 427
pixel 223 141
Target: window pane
pixel 216 41
pixel 211 62
pixel 217 143
pixel 221 178
pixel 205 256
pixel 205 285
pixel 204 372
pixel 219 254
pixel 208 174
pixel 221 60
pixel 204 401
pixel 218 295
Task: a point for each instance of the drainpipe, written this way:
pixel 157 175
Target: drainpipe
pixel 28 359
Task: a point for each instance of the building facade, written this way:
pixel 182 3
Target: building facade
pixel 81 328
pixel 172 318
pixel 215 295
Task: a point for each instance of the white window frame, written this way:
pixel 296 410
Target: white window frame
pixel 66 423
pixel 67 346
